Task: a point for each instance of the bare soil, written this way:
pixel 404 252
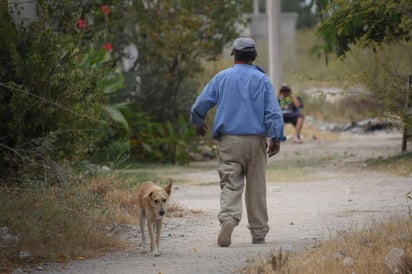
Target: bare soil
pixel 301 213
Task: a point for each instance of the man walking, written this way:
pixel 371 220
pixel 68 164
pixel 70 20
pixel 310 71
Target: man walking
pixel 247 114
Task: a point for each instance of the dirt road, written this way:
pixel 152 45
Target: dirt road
pixel 301 214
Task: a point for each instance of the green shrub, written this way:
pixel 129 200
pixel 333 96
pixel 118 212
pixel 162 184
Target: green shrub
pixel 55 76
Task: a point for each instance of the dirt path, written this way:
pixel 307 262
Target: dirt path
pixel 301 214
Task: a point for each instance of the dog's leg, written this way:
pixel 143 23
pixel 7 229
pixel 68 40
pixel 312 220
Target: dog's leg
pixel 142 225
pixel 153 241
pixel 158 229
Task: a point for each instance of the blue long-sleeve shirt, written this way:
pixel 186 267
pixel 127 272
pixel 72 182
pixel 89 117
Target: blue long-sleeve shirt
pixel 246 104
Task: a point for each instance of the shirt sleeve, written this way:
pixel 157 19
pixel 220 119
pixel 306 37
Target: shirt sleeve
pixel 204 102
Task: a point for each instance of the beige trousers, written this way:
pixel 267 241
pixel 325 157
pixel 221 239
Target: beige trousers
pixel 243 158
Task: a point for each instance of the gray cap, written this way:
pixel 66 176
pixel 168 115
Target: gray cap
pixel 244 43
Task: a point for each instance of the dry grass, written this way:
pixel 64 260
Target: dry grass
pixel 121 200
pixel 310 132
pixel 360 251
pixel 124 200
pixel 57 223
pixel 352 251
pixel 176 210
pixel 288 175
pixel 53 224
pixel 398 165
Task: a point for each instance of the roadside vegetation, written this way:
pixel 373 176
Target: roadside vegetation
pixel 398 166
pixel 73 221
pixel 73 124
pixel 356 250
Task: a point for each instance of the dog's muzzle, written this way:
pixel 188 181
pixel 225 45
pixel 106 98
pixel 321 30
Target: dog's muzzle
pixel 161 212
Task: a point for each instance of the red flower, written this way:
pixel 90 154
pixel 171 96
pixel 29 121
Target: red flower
pixel 81 24
pixel 106 10
pixel 108 47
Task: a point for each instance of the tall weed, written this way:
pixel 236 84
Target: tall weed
pixel 53 223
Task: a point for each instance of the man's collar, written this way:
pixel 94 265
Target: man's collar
pixel 241 62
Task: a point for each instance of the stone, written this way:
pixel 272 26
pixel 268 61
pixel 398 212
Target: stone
pixel 393 260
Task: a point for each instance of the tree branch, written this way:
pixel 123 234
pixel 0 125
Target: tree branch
pixel 12 150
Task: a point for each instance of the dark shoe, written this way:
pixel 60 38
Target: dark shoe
pixel 225 234
pixel 258 241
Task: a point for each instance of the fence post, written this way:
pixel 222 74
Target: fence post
pixel 407 130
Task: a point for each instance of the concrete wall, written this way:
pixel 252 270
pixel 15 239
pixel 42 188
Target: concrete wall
pixel 258 30
pixel 23 12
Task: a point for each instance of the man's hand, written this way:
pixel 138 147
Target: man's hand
pixel 274 148
pixel 201 131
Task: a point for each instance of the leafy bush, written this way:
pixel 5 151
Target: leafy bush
pixel 152 141
pixel 54 76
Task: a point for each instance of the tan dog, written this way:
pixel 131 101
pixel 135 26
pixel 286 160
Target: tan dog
pixel 152 201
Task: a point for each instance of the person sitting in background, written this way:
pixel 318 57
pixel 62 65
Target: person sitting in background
pixel 291 106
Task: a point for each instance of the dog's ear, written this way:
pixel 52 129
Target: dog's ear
pixel 148 195
pixel 168 188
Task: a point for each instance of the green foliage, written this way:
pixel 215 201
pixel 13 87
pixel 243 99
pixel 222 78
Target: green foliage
pixel 368 23
pixel 53 82
pixel 383 74
pixel 382 26
pixel 173 39
pixel 176 141
pixel 152 141
pixel 57 75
